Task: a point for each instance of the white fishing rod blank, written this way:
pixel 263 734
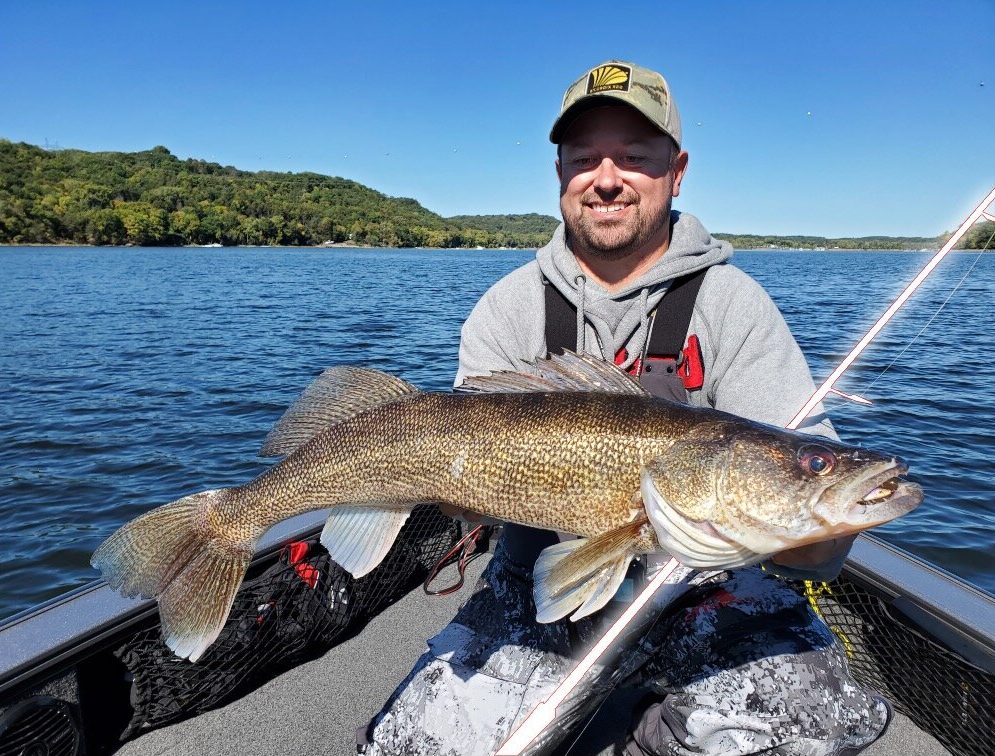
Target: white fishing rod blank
pixel 672 572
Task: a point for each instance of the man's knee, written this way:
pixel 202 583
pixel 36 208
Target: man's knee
pixel 746 667
pixel 688 723
pixel 487 667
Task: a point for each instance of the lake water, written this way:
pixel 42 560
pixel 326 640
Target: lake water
pixel 130 377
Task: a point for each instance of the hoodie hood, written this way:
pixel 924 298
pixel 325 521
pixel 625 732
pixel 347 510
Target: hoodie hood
pixel 609 321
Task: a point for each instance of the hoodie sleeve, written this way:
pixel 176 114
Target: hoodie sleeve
pixel 758 371
pixel 505 330
pixel 481 350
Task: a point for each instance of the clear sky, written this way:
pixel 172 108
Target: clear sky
pixel 833 118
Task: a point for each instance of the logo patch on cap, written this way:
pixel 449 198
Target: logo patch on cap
pixel 609 78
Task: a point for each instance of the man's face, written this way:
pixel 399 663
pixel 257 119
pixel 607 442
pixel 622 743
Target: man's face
pixel 618 174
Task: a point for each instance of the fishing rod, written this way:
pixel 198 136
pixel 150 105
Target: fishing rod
pixel 674 575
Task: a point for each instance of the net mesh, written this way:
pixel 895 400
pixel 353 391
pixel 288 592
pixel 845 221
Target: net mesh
pixel 305 603
pixel 935 687
pixel 293 610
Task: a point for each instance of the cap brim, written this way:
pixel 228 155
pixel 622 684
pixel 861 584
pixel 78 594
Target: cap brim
pixel 590 102
pixel 571 114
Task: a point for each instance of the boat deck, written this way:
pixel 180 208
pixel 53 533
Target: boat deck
pixel 315 708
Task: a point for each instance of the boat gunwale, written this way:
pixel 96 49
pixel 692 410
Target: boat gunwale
pixel 69 627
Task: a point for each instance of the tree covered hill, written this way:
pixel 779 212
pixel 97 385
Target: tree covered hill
pixel 154 198
pixel 976 238
pixel 530 223
pixel 753 241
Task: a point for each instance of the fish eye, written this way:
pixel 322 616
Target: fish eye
pixel 816 460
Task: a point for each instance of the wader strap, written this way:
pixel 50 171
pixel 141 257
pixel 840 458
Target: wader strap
pixel 674 315
pixel 674 312
pixel 561 320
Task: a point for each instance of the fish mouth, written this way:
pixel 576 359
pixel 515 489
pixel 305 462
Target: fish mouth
pixel 879 495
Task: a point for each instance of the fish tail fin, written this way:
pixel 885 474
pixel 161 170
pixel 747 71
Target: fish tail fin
pixel 174 555
pixel 584 574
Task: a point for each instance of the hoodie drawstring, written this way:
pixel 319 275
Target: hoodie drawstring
pixel 581 281
pixel 639 337
pixel 642 333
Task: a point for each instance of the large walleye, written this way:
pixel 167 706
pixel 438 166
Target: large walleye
pixel 579 447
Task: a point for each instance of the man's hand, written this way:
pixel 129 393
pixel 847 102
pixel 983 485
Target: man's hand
pixel 814 555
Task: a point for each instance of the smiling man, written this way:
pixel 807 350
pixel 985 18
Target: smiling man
pixel 618 175
pixel 745 666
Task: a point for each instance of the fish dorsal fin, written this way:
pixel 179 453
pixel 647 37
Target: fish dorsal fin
pixel 567 372
pixel 336 395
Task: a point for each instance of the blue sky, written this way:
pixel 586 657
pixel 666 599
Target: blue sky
pixel 451 103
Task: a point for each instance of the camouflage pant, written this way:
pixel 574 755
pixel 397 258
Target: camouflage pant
pixel 743 667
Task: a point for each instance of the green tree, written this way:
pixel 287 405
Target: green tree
pixel 143 223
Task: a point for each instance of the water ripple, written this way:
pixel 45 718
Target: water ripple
pixel 131 377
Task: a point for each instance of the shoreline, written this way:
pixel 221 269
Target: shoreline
pixel 246 246
pixel 462 249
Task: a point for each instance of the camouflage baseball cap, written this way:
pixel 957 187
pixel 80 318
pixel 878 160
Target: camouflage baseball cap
pixel 629 84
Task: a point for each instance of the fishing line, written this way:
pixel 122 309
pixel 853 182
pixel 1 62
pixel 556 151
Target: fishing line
pixel 922 330
pixel 591 717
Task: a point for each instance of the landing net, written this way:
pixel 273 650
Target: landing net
pixel 292 611
pixel 935 687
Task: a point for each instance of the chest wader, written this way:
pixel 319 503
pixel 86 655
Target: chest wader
pixel 667 368
pixel 778 681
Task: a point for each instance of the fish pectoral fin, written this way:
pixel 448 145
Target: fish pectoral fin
pixel 358 538
pixel 336 395
pixel 567 372
pixel 583 575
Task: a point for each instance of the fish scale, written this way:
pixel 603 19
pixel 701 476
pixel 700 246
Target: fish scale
pixel 518 461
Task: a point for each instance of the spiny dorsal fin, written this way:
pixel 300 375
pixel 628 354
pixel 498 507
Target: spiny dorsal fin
pixel 567 372
pixel 336 395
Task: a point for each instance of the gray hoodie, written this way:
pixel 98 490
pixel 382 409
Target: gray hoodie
pixel 753 366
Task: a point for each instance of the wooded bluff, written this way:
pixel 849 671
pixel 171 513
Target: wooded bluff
pixel 153 198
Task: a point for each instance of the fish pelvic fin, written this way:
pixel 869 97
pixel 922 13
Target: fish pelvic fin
pixel 172 554
pixel 583 575
pixel 358 538
pixel 338 394
pixel 566 372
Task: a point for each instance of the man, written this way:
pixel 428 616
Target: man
pixel 746 667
